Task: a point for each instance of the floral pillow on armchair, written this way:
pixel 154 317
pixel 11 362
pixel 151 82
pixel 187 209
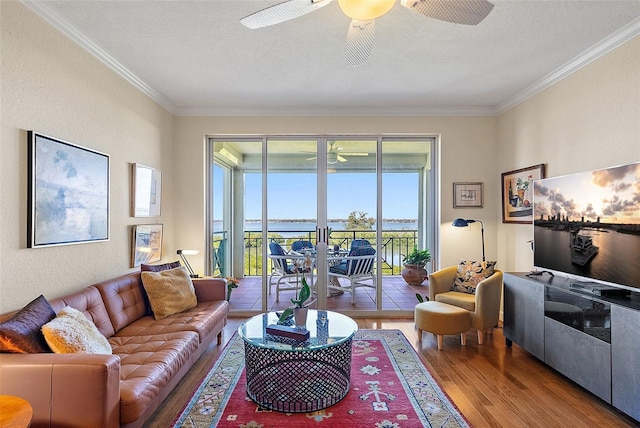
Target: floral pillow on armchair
pixel 470 273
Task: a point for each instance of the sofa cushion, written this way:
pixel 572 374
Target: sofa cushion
pixel 123 299
pixel 470 273
pixel 170 291
pixel 90 303
pixel 205 319
pixel 462 300
pixel 71 332
pixel 21 334
pixel 148 365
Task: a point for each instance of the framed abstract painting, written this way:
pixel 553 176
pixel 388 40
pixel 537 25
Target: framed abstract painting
pixel 68 186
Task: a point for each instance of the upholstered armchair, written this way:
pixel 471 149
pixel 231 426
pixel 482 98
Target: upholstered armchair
pixel 484 305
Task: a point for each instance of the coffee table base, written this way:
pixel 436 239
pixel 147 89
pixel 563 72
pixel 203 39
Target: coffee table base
pixel 298 381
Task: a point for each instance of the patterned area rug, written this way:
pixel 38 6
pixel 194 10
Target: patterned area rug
pixel 390 388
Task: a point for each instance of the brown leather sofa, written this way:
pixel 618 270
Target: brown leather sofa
pixel 149 357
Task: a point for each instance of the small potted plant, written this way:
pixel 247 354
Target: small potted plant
pixel 414 272
pixel 232 283
pixel 300 306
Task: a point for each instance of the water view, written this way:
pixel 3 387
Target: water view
pixel 615 262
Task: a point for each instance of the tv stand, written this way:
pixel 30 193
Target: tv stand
pixel 597 289
pixel 553 320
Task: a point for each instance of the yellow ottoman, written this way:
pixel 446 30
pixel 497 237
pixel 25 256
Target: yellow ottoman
pixel 440 319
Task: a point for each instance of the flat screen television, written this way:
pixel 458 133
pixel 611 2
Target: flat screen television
pixel 587 226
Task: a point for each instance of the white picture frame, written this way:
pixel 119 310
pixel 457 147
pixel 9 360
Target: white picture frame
pixel 146 200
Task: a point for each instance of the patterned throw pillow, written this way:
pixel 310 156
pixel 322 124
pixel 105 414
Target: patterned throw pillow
pixel 470 273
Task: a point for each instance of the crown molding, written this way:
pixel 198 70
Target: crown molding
pixel 608 44
pixel 603 47
pixel 333 111
pixel 41 9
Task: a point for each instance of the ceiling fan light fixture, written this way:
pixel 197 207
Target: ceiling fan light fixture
pixel 365 10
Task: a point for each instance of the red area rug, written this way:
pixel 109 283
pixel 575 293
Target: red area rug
pixel 390 388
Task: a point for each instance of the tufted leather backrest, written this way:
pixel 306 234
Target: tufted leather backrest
pixel 123 299
pixel 89 302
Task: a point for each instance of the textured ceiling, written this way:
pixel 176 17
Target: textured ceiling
pixel 194 57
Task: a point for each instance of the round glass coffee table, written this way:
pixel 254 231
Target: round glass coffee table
pixel 294 377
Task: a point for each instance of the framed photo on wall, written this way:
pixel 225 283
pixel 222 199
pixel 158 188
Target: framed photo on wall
pixel 517 194
pixel 147 244
pixel 467 195
pixel 68 186
pixel 146 189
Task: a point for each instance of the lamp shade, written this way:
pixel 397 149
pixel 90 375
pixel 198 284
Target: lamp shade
pixel 460 222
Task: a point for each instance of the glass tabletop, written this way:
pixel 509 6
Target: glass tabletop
pixel 326 328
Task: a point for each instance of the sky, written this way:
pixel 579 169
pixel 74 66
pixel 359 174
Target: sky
pixel 294 195
pixel 613 194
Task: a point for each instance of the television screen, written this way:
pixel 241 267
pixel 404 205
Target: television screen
pixel 587 225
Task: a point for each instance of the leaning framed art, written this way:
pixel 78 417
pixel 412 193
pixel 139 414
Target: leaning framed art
pixel 467 195
pixel 68 193
pixel 517 194
pixel 147 244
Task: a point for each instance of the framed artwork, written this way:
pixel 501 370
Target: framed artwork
pixel 147 244
pixel 68 193
pixel 146 190
pixel 467 195
pixel 517 194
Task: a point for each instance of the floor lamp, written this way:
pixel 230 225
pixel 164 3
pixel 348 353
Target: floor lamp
pixel 460 222
pixel 182 254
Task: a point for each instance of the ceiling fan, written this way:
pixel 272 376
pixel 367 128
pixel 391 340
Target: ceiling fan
pixel 363 14
pixel 333 155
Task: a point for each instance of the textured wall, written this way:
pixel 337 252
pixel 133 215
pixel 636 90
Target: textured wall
pixel 52 86
pixel 589 120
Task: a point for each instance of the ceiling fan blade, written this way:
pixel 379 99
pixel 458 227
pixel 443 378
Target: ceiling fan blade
pixel 313 158
pixel 341 159
pixel 468 12
pixel 359 42
pixel 282 12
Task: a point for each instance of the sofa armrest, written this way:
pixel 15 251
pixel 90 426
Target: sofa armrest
pixel 70 390
pixel 210 289
pixel 441 281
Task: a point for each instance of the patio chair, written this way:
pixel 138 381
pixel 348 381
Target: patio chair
pixel 218 258
pixel 301 245
pixel 357 269
pixel 360 243
pixel 286 273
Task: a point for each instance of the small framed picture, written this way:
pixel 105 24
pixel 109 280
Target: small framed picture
pixel 147 244
pixel 517 194
pixel 146 191
pixel 467 195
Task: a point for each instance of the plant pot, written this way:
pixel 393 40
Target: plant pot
pixel 300 315
pixel 414 274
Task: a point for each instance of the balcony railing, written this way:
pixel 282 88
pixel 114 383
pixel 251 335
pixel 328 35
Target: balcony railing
pixel 394 245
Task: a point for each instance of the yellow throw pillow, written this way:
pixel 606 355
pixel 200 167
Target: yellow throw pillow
pixel 71 332
pixel 169 291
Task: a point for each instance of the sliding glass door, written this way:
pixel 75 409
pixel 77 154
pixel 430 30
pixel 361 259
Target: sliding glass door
pixel 315 200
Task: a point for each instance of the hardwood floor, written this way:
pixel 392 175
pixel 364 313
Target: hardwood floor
pixel 492 385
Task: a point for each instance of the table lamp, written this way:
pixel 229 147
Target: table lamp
pixel 182 254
